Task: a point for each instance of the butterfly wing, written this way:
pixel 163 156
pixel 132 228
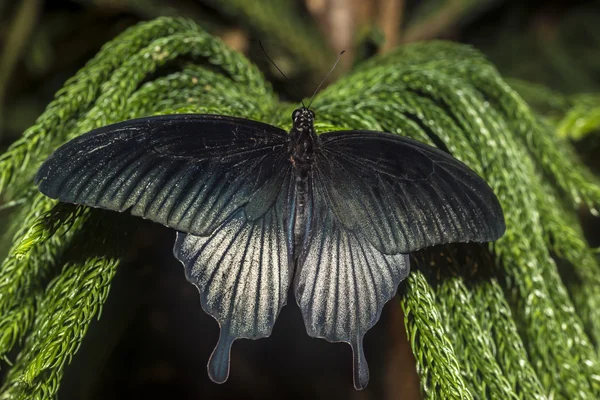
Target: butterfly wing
pixel 222 182
pixel 342 281
pixel 376 198
pixel 403 195
pixel 189 172
pixel 242 270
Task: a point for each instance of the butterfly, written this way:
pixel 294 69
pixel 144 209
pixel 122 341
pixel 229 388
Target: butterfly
pixel 257 210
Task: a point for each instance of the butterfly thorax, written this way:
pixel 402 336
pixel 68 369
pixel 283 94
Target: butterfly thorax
pixel 303 139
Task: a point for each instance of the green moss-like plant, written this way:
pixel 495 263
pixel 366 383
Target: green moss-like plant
pixel 518 333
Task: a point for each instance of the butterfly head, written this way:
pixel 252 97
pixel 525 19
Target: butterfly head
pixel 303 119
pixel 302 136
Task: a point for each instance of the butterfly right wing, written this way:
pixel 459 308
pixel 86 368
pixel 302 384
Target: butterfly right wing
pixel 188 172
pixel 342 281
pixel 376 198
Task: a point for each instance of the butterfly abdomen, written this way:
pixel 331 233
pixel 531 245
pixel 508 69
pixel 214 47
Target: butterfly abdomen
pixel 302 211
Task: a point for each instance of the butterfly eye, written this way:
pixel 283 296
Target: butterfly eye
pixel 312 114
pixel 296 114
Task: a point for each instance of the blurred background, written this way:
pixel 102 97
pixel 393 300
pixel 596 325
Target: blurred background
pixel 153 340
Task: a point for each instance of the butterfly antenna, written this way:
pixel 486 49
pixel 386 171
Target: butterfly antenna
pixel 326 76
pixel 281 72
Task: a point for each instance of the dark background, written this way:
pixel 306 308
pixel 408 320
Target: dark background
pixel 153 340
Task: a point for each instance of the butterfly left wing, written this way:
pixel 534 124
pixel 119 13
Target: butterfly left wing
pixel 185 171
pixel 222 182
pixel 242 271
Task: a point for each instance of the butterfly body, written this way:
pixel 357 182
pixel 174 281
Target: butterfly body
pixel 258 210
pixel 304 143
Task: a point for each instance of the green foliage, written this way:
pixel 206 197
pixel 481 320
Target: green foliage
pixel 518 333
pixel 574 116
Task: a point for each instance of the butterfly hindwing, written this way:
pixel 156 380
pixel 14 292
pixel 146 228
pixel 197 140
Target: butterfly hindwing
pixel 402 195
pixel 342 282
pixel 189 172
pixel 242 271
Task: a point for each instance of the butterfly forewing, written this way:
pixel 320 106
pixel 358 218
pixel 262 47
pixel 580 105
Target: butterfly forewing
pixel 188 172
pixel 402 195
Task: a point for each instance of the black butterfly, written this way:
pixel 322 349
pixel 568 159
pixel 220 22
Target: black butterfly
pixel 256 208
